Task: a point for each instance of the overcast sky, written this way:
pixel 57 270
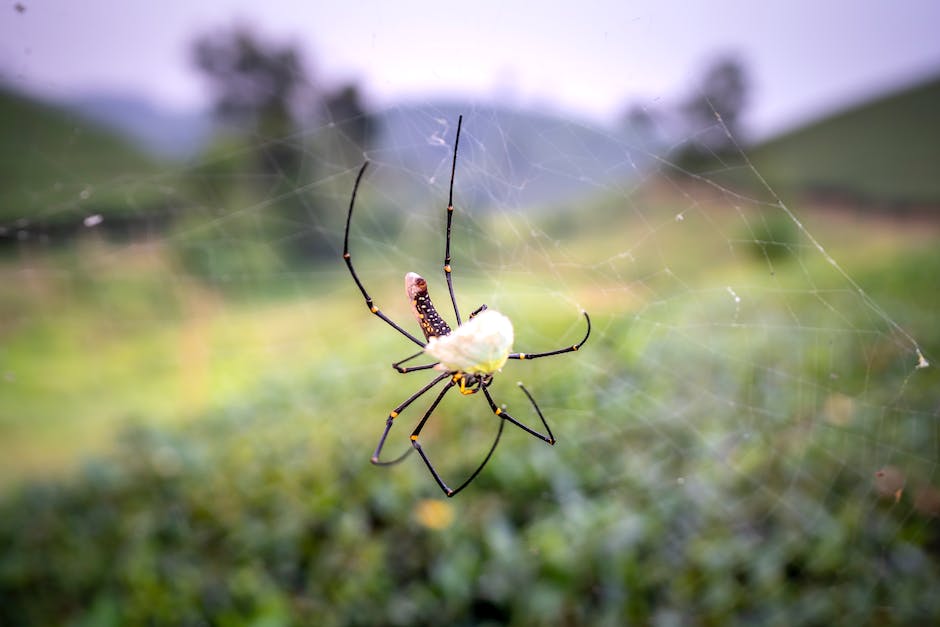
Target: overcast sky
pixel 584 59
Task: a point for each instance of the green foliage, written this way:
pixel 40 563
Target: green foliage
pixel 772 236
pixel 659 504
pixel 245 519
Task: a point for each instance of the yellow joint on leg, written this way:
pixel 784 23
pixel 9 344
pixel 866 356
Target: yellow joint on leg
pixel 393 415
pixel 414 438
pixel 447 268
pixel 498 411
pixel 463 385
pixel 373 309
pixel 521 355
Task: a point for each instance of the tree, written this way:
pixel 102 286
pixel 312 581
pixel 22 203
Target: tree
pixel 271 107
pixel 259 88
pixel 644 123
pixel 721 94
pixel 345 110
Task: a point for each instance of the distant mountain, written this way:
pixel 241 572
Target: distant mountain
pixel 508 156
pixel 520 157
pixel 883 152
pixel 159 132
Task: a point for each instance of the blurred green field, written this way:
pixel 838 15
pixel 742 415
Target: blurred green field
pixel 173 453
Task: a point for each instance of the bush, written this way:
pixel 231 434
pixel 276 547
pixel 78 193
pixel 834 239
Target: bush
pixel 263 514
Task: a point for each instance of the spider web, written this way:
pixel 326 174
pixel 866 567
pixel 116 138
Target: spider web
pixel 736 363
pixel 655 271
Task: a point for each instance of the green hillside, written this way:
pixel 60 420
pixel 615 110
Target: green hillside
pixel 57 167
pixel 884 152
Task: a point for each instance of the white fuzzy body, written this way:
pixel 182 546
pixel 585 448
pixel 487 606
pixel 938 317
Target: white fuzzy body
pixel 479 346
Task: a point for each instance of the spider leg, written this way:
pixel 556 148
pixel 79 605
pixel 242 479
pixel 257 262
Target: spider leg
pixel 394 414
pixel 450 216
pixel 560 351
pixel 348 258
pixel 550 438
pixel 437 477
pixel 417 432
pixel 403 369
pixel 489 454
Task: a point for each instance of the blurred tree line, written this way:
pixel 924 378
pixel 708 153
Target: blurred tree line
pixel 282 134
pixel 707 125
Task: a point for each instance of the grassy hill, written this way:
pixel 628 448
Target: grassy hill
pixel 882 153
pixel 58 168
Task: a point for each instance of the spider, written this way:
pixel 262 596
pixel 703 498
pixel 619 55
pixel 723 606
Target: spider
pixel 468 356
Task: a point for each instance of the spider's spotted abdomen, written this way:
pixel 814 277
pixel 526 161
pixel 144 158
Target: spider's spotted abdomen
pixel 430 321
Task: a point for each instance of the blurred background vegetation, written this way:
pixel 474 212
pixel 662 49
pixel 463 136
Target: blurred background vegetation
pixel 191 387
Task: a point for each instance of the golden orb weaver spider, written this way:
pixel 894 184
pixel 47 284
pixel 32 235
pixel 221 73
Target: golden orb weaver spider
pixel 469 355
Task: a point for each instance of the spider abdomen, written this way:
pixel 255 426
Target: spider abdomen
pixel 481 345
pixel 430 321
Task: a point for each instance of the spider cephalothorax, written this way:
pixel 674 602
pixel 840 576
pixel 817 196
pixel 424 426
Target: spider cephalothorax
pixel 469 355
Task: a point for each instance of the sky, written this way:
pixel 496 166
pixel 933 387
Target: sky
pixel 585 60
